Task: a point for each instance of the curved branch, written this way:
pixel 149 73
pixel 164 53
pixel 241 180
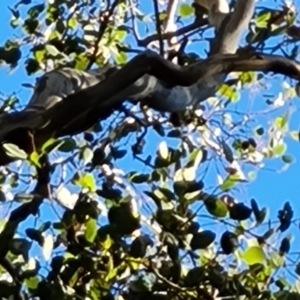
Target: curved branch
pixel 147 69
pixel 152 90
pixel 233 26
pixel 149 78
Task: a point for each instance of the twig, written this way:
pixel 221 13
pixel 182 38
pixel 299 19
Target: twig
pixel 168 35
pixel 169 25
pixel 103 26
pixel 158 28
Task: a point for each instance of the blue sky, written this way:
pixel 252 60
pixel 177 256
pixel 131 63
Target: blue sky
pixel 270 188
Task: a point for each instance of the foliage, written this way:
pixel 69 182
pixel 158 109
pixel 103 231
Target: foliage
pixel 130 200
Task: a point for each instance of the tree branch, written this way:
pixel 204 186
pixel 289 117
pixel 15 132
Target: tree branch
pixel 232 27
pixel 22 212
pixel 168 35
pixel 66 117
pixel 68 101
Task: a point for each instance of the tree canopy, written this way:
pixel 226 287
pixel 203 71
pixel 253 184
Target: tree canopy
pixel 123 170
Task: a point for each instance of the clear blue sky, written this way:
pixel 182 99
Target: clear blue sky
pixel 270 188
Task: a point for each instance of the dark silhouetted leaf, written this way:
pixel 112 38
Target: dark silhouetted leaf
pixel 285 245
pixel 35 235
pixel 229 242
pixel 285 217
pixel 216 207
pixel 139 246
pixel 195 276
pixel 239 212
pixel 124 220
pixel 68 145
pixel 19 246
pixel 202 239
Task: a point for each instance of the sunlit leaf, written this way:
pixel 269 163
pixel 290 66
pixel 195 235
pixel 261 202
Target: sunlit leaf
pixel 14 151
pixel 185 10
pixel 254 255
pixel 48 246
pixel 229 182
pixel 86 181
pixel 163 150
pixel 87 155
pixel 90 230
pixel 35 159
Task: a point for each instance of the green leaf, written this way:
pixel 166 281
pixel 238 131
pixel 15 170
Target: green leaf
pixel 185 175
pixel 229 242
pixel 202 239
pixel 260 215
pixel 239 212
pixel 35 10
pixel 295 135
pixel 262 19
pixel 50 145
pixel 35 235
pixel 90 230
pixel 23 197
pixel 288 159
pixel 68 145
pixel 276 260
pixel 229 182
pixel 14 151
pixel 34 158
pixel 259 131
pixel 254 255
pixel 120 34
pixel 279 149
pixel 247 77
pixel 39 54
pixel 228 92
pixel 86 155
pixel 138 177
pixel 216 207
pixel 52 50
pixel 281 122
pixel 19 246
pixel 107 243
pixel 86 181
pixel 227 152
pixel 32 282
pixel 121 58
pixel 185 10
pixel 297 269
pixel 45 226
pixel 48 245
pixel 163 150
pixel 30 26
pixel 118 153
pixel 72 23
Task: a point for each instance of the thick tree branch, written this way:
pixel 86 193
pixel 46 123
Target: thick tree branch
pixel 22 212
pixel 107 94
pixel 69 101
